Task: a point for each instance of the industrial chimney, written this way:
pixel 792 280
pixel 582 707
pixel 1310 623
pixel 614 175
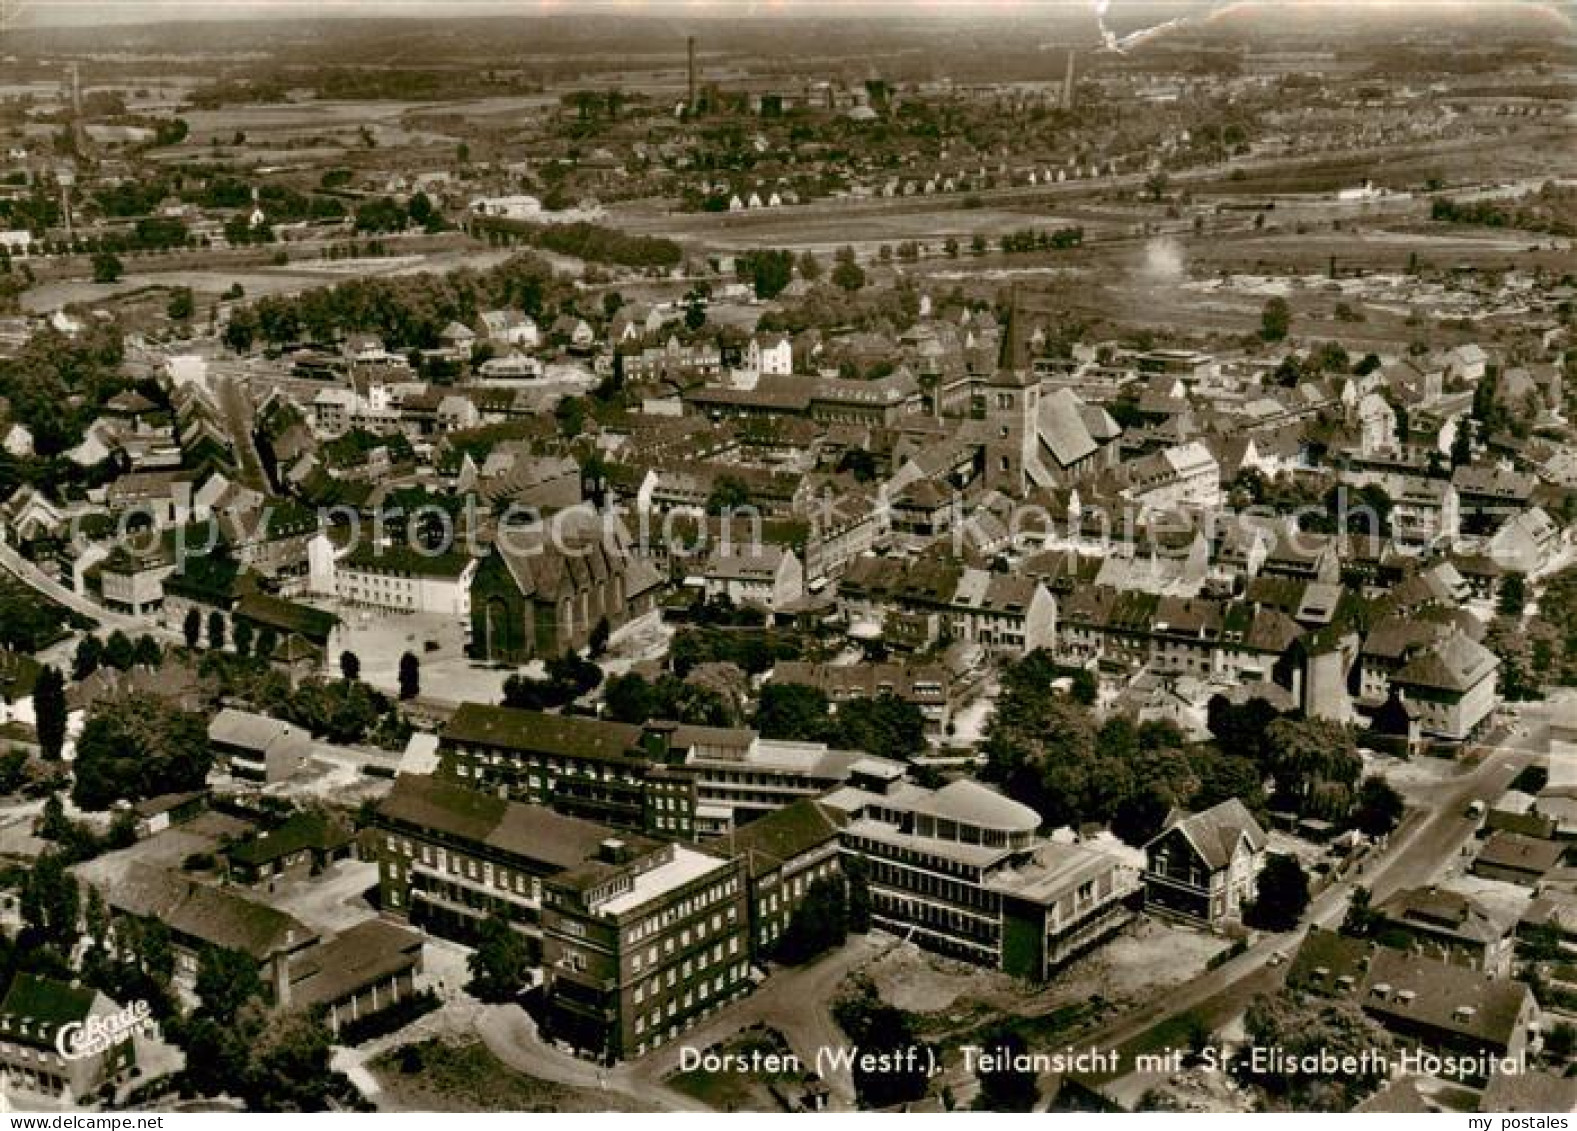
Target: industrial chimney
pixel 1067 84
pixel 690 49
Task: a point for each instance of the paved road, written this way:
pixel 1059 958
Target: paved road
pixel 236 403
pixel 40 582
pixel 1414 856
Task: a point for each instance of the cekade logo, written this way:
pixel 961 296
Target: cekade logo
pixel 82 1039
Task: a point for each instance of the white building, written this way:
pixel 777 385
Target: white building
pixel 403 579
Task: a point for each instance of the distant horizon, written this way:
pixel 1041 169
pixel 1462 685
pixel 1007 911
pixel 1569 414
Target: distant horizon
pixel 45 14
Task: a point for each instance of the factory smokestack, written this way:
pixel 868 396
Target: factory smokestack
pixel 690 53
pixel 1067 84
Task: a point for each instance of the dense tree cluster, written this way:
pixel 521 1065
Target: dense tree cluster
pixel 56 381
pixel 568 678
pixel 1552 210
pixel 884 725
pixel 135 748
pixel 632 698
pixel 1303 1027
pixel 408 311
pixel 593 243
pixel 1046 749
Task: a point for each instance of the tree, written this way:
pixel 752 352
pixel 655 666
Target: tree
pixel 422 213
pixel 135 748
pixel 820 923
pixel 267 644
pixel 1560 1042
pixel 1462 443
pixel 1379 807
pixel 50 902
pixel 858 895
pixel 886 726
pixel 770 272
pixel 1156 184
pixel 1513 597
pixel 192 627
pixel 1139 816
pixel 49 709
pixel 1275 319
pixel 226 981
pixel 88 656
pixel 793 711
pixel 501 963
pixel 410 676
pixel 119 652
pixel 570 413
pixel 873 1026
pixel 1008 1080
pixel 1361 918
pixel 1281 894
pixel 809 267
pixel 181 305
pixel 241 330
pixel 146 652
pixel 243 638
pixel 597 641
pixel 1306 754
pixel 216 631
pixel 107 268
pixel 350 666
pixel 729 493
pixel 847 274
pixel 628 698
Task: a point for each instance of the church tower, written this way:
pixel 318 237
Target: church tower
pixel 1012 406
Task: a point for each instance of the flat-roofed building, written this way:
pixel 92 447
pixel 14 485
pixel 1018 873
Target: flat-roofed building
pixel 961 870
pixel 638 947
pixel 751 775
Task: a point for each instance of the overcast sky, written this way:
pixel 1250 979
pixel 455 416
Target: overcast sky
pixel 36 12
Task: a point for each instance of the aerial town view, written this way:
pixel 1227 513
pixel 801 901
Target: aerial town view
pixel 722 556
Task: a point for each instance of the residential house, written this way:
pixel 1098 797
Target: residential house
pixel 764 576
pixel 508 328
pixel 1202 866
pixel 256 748
pixel 1517 859
pixel 200 915
pixel 925 686
pixel 1451 686
pixel 770 354
pixel 407 580
pixel 1447 926
pixel 1435 1006
pixel 306 843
